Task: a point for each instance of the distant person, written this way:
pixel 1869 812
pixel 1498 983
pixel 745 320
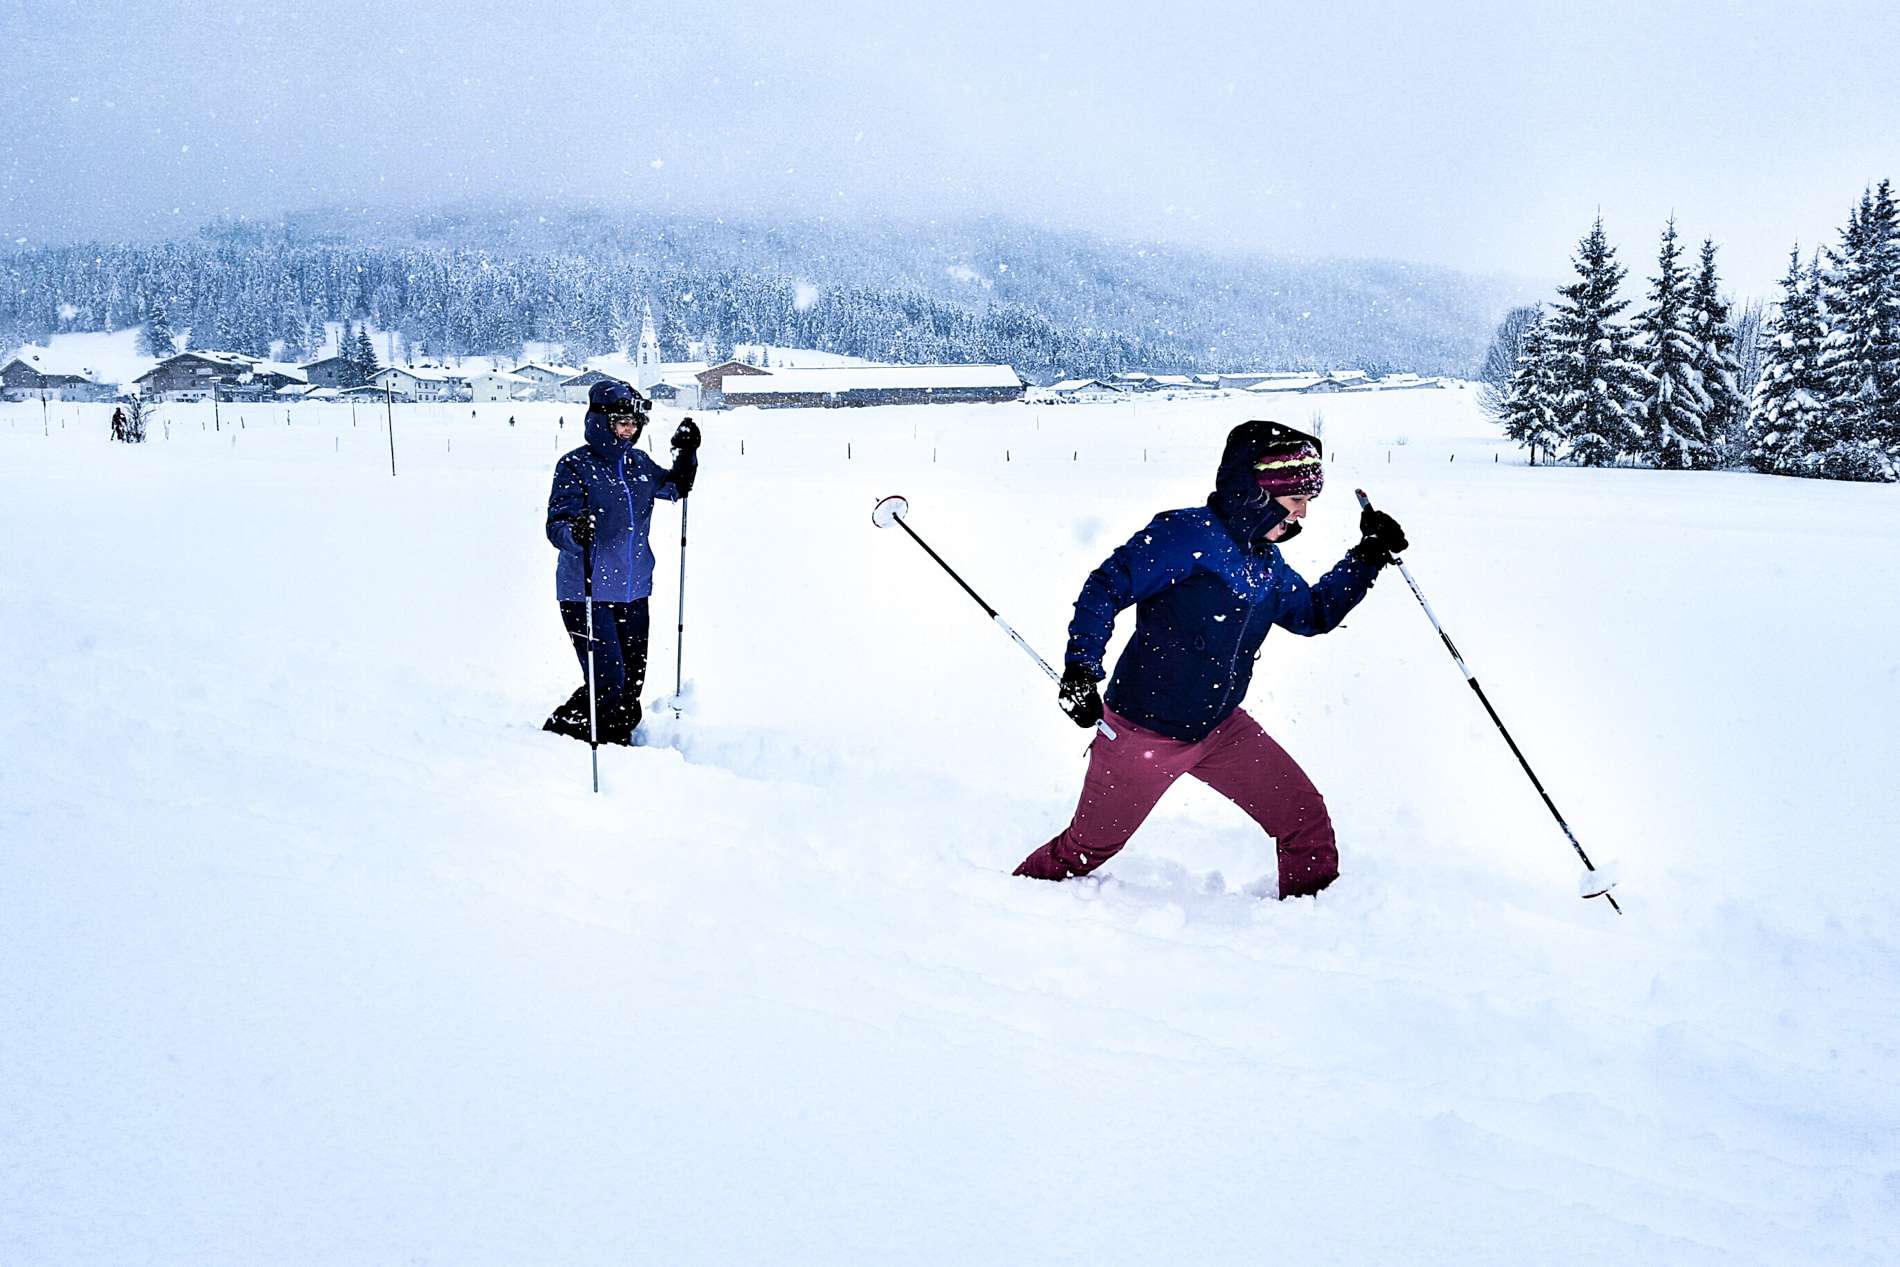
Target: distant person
pixel 600 514
pixel 118 424
pixel 511 420
pixel 1208 582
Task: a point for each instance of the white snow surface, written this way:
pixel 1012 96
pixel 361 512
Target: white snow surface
pixel 315 949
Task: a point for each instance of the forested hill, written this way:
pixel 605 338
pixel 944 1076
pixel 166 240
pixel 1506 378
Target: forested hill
pixel 483 280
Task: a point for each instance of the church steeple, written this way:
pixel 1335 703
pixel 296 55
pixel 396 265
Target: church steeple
pixel 646 357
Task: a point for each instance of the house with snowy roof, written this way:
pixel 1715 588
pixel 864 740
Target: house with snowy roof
pixel 1397 383
pixel 576 389
pixel 417 383
pixel 850 385
pixel 331 371
pixel 197 375
pixel 1080 389
pixel 679 388
pixel 547 379
pixel 21 378
pixel 712 380
pixel 497 385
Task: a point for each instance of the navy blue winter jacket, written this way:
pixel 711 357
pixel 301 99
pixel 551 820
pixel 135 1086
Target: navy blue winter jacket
pixel 618 482
pixel 1206 586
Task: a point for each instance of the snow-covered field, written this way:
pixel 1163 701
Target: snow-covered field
pixel 314 949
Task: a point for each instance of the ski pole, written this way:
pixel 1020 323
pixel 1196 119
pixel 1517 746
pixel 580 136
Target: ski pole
pixel 593 723
pixel 892 510
pixel 1594 883
pixel 679 642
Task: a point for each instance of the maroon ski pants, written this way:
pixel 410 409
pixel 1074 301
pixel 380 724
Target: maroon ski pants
pixel 1128 774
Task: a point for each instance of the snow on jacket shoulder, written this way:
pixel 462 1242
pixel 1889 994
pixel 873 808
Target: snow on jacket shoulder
pixel 618 483
pixel 1204 604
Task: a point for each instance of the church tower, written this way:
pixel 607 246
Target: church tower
pixel 646 357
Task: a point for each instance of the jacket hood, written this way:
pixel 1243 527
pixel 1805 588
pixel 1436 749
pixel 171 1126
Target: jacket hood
pixel 1238 501
pixel 599 433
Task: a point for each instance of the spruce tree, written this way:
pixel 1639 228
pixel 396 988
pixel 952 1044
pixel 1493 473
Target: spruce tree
pixel 364 354
pixel 1529 411
pixel 1788 414
pixel 155 336
pixel 1717 365
pixel 1599 383
pixel 1674 431
pixel 1501 358
pixel 1862 361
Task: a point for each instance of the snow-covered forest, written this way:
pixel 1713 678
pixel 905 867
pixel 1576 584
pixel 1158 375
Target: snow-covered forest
pixel 1049 303
pixel 1687 384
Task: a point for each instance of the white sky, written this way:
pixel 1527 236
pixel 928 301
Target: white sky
pixel 1480 135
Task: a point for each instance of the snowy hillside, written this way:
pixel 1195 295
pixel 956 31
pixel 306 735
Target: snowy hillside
pixel 316 950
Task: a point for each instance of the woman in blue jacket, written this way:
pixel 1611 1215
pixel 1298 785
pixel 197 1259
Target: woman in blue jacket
pixel 600 513
pixel 1207 584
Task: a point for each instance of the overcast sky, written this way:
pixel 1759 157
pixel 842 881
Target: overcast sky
pixel 1479 135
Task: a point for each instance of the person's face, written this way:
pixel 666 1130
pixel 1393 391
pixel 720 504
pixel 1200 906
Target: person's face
pixel 626 426
pixel 1295 510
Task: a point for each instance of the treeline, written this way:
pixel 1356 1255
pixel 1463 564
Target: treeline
pixel 1814 390
pixel 1048 303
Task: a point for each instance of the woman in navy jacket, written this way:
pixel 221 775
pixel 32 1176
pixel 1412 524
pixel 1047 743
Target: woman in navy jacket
pixel 600 512
pixel 1208 583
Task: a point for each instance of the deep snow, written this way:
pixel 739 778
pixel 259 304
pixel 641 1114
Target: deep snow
pixel 316 950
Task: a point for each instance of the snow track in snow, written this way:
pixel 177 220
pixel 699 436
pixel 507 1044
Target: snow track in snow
pixel 317 950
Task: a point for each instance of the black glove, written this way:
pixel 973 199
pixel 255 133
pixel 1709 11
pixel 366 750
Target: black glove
pixel 686 438
pixel 1381 537
pixel 582 527
pixel 1078 696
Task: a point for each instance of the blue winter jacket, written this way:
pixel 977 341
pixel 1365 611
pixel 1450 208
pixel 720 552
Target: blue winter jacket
pixel 618 482
pixel 1206 587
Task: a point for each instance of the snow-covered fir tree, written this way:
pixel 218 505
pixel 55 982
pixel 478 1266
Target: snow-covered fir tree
pixel 1862 361
pixel 1599 380
pixel 155 333
pixel 1500 359
pixel 1717 365
pixel 363 353
pixel 1675 431
pixel 1787 418
pixel 1529 410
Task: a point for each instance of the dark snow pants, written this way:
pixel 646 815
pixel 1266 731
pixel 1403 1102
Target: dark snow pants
pixel 1128 774
pixel 620 664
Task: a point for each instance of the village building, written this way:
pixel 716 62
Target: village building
pixel 712 381
pixel 418 384
pixel 852 385
pixel 1398 383
pixel 331 371
pixel 198 376
pixel 1076 390
pixel 21 380
pixel 546 379
pixel 497 385
pixel 575 390
pixel 680 389
pixel 646 356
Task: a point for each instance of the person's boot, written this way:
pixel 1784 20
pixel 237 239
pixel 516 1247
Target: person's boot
pixel 618 722
pixel 570 719
pixel 1043 865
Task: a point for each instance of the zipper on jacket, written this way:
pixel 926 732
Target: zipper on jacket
pixel 1233 660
